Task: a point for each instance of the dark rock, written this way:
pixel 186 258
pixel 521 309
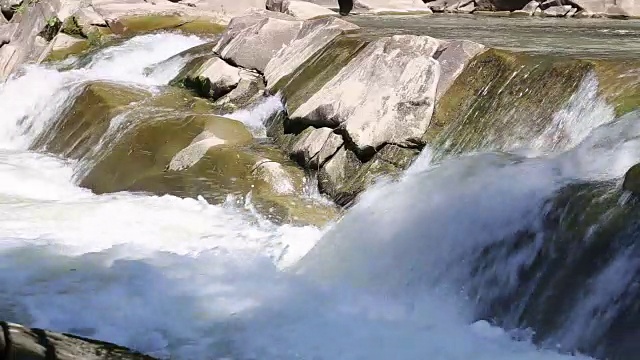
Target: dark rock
pixel 632 180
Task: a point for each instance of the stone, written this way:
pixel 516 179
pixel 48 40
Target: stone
pixel 3 19
pixel 329 148
pixel 631 181
pixel 277 5
pixel 63 46
pixel 335 176
pixel 313 36
pixel 466 9
pixel 305 10
pixel 528 10
pixel 437 6
pixel 9 6
pixel 8 60
pixel 571 12
pixel 386 94
pixel 254 46
pixel 38 344
pixel 618 12
pixel 6 32
pixel 557 11
pixel 402 5
pixel 453 57
pixel 87 17
pixel 250 18
pixel 249 90
pixel 309 144
pixel 500 5
pixel 211 78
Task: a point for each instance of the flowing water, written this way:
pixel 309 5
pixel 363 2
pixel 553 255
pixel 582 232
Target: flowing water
pixel 396 278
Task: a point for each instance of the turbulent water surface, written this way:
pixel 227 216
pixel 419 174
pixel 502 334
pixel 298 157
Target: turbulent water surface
pixel 184 279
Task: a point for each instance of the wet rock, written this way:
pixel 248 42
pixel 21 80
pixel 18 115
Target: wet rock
pixel 37 344
pixel 140 24
pixel 277 5
pixel 253 47
pixel 80 128
pixel 386 94
pixel 453 56
pixel 557 11
pixel 309 143
pixel 306 10
pixel 313 36
pixel 632 180
pixel 63 46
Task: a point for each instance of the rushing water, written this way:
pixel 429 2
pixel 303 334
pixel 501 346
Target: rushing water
pixel 183 278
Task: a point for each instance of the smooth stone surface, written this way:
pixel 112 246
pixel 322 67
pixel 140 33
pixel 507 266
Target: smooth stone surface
pixel 305 10
pixel 453 57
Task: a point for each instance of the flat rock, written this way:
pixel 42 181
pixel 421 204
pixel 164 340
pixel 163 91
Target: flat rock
pixel 305 10
pixel 253 47
pixel 386 94
pixel 313 36
pixel 453 57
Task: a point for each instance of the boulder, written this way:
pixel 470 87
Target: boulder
pixel 9 6
pixel 305 10
pixel 500 5
pixel 63 46
pixel 453 56
pixel 209 77
pixel 386 94
pixel 150 20
pixel 254 46
pixel 80 127
pixel 619 9
pixel 632 180
pixel 528 10
pixel 9 59
pixel 277 5
pixel 309 144
pixel 20 343
pixel 571 12
pixel 466 9
pixel 313 36
pixel 557 11
pixel 250 18
pixel 249 90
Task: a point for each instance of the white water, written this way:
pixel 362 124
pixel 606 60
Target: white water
pixel 179 277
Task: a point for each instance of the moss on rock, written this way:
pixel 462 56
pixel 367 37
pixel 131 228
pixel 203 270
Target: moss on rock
pixel 501 99
pixel 135 25
pixel 73 50
pixel 619 83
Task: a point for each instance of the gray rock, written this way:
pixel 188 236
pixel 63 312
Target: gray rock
pixel 336 176
pixel 251 18
pixel 313 36
pixel 305 10
pixel 620 12
pixel 465 9
pixel 8 60
pixel 3 20
pixel 571 12
pixel 453 57
pixel 37 344
pixel 88 17
pixel 557 11
pixel 307 147
pixel 253 47
pixel 60 42
pixel 438 6
pixel 213 78
pixel 277 5
pixel 614 9
pixel 330 147
pixel 549 3
pixel 528 9
pixel 249 89
pixel 8 6
pixel 386 94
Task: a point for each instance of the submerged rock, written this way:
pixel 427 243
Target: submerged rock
pixel 21 343
pixel 386 94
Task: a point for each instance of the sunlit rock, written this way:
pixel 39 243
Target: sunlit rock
pixel 453 56
pixel 253 47
pixel 386 94
pixel 63 46
pixel 313 36
pixel 306 10
pixel 209 77
pixel 557 11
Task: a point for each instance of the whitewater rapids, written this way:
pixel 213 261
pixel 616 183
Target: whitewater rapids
pixel 184 279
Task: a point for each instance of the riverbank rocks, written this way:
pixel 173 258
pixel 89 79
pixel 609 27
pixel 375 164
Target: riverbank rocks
pixel 314 35
pixel 63 46
pixel 386 94
pixel 20 343
pixel 306 10
pixel 254 46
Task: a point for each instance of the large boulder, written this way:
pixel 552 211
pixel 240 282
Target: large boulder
pixel 20 343
pixel 254 46
pixel 63 46
pixel 313 36
pixel 386 94
pixel 623 8
pixel 453 56
pixel 209 77
pixel 306 10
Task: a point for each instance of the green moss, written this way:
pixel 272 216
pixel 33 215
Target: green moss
pixel 619 83
pixel 318 70
pixel 502 99
pixel 51 28
pixel 75 49
pixel 134 25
